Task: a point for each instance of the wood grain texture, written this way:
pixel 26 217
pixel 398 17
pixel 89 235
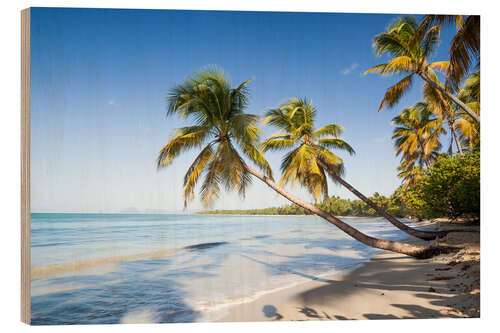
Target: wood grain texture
pixel 25 168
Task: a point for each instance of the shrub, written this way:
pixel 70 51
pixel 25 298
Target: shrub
pixel 451 188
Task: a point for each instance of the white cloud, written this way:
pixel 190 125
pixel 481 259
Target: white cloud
pixel 111 102
pixel 348 70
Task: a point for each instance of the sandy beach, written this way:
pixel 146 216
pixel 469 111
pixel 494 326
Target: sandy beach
pixel 389 286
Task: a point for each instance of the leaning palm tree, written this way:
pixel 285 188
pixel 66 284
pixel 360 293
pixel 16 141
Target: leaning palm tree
pixel 410 52
pixel 416 135
pixel 222 130
pixel 309 156
pixel 465 45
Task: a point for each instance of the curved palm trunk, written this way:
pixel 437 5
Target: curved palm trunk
pixel 416 251
pixel 455 136
pixel 454 98
pixel 426 160
pixel 426 235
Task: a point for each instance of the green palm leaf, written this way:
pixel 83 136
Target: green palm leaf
pixel 305 146
pixel 218 113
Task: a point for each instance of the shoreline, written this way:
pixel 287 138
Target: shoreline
pixel 292 215
pixel 387 286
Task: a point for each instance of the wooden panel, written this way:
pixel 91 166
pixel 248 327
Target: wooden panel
pixel 25 167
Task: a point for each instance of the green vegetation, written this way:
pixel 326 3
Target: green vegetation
pixel 434 184
pixel 450 187
pixel 333 205
pixel 410 46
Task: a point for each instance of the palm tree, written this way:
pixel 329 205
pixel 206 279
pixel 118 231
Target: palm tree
pixel 219 121
pixel 416 135
pixel 416 139
pixel 296 119
pixel 409 172
pixel 410 52
pixel 441 106
pixel 468 129
pixel 310 157
pixel 465 45
pixel 221 129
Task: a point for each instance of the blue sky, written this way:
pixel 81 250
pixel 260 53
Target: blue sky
pixel 99 80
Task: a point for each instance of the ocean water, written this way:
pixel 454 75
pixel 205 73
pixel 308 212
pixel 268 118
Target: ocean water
pixel 130 268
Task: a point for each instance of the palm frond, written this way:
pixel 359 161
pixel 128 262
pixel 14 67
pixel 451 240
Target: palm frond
pixel 377 69
pixel 336 144
pixel 327 130
pixel 430 41
pixel 442 66
pixel 399 64
pixel 277 144
pixel 390 43
pixel 277 118
pixel 464 49
pixel 195 170
pixel 394 93
pixel 218 112
pixel 184 139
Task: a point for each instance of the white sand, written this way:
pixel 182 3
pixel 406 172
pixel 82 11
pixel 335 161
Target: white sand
pixel 389 286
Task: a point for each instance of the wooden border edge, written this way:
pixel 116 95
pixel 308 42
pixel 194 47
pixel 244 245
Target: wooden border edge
pixel 25 167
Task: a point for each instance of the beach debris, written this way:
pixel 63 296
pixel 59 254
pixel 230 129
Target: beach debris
pixel 432 290
pixel 441 278
pixel 475 291
pixel 443 269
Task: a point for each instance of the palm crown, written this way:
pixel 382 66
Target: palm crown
pixel 409 51
pixel 465 45
pixel 221 127
pixel 416 135
pixel 307 145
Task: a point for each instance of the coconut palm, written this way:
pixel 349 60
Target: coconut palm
pixel 469 133
pixel 465 45
pixel 471 90
pixel 468 129
pixel 222 130
pixel 441 106
pixel 410 52
pixel 409 172
pixel 296 119
pixel 416 135
pixel 220 127
pixel 416 139
pixel 309 156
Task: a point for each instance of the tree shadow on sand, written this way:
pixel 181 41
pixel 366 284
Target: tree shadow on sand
pixel 384 276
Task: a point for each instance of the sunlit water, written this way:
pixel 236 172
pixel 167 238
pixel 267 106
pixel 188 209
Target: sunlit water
pixel 215 262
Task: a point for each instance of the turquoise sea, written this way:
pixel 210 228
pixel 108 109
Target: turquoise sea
pixel 179 268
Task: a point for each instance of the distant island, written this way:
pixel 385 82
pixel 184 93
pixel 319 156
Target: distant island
pixel 333 205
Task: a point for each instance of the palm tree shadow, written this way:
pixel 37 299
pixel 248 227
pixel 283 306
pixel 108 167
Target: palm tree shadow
pixel 395 274
pixel 277 269
pixel 309 312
